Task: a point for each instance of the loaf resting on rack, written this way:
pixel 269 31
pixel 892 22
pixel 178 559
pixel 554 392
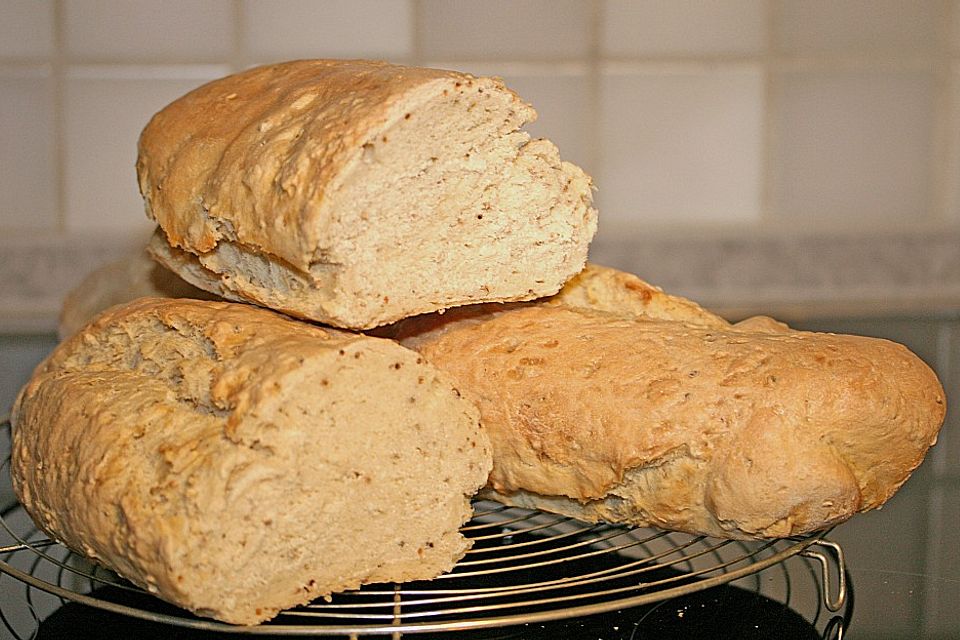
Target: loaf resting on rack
pixel 237 463
pixel 357 193
pixel 615 401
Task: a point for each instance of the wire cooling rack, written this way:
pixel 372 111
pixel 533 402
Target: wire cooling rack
pixel 524 567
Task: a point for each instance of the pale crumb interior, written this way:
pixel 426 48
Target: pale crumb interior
pixel 453 205
pixel 320 488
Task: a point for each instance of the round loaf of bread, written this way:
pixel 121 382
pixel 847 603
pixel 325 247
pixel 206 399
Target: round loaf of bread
pixel 237 463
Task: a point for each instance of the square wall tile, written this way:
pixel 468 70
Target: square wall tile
pixel 26 28
pixel 132 30
pixel 953 160
pixel 289 29
pixel 559 93
pixel 828 26
pixel 955 25
pixel 680 147
pixel 852 146
pixel 682 27
pixel 106 109
pixel 28 180
pixel 502 29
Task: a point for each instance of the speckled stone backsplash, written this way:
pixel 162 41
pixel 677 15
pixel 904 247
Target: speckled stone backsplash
pixel 795 277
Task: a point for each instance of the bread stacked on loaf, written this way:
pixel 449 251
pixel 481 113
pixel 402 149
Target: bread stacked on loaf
pixel 359 193
pixel 237 462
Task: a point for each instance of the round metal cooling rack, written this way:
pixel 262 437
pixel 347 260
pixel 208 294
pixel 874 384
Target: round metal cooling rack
pixel 524 567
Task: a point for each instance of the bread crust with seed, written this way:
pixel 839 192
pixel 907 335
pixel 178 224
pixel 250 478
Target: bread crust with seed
pixel 237 463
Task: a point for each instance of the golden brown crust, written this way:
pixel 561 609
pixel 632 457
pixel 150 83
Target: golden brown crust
pixel 605 289
pixel 234 461
pixel 749 430
pixel 235 151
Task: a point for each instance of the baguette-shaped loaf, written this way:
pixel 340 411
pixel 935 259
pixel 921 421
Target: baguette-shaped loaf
pixel 693 424
pixel 357 193
pixel 237 463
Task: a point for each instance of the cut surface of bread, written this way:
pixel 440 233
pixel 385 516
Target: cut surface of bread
pixel 750 430
pixel 356 193
pixel 237 463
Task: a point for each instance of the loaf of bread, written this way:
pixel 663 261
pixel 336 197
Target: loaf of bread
pixel 357 193
pixel 237 463
pixel 616 402
pixel 120 281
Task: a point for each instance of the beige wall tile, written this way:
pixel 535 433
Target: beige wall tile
pixel 680 147
pixel 28 185
pixel 852 147
pixel 106 108
pixel 26 28
pixel 955 26
pixel 682 27
pixel 501 29
pixel 952 159
pixel 135 30
pixel 893 26
pixel 286 29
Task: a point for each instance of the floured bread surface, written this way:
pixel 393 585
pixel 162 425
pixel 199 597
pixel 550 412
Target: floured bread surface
pixel 237 463
pixel 357 193
pixel 742 431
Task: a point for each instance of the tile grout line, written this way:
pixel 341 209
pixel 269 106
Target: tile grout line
pixel 768 135
pixel 941 152
pixel 58 64
pixel 594 89
pixel 416 26
pixel 948 163
pixel 238 45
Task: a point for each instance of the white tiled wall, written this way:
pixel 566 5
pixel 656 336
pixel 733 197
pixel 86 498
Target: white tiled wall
pixel 289 29
pixel 882 27
pixel 105 107
pixel 853 145
pixel 647 28
pixel 814 115
pixel 505 29
pixel 27 158
pixel 692 149
pixel 138 30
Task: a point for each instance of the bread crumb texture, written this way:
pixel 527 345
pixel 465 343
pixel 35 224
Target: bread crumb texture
pixel 357 193
pixel 237 463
